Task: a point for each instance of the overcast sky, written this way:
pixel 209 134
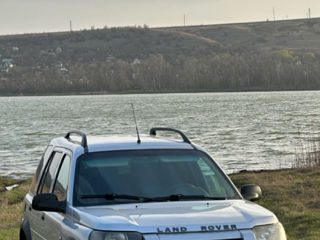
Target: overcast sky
pixel 25 16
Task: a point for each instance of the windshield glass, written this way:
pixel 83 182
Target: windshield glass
pixel 131 176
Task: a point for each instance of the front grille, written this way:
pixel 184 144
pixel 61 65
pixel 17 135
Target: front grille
pixel 231 235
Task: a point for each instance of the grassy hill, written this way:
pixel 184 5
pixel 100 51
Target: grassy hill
pixel 103 44
pixel 302 34
pixel 277 55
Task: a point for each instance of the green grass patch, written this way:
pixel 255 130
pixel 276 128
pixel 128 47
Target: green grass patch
pixel 11 205
pixel 293 195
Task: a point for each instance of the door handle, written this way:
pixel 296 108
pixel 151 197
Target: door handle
pixel 42 216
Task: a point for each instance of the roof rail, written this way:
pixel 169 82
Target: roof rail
pixel 83 143
pixel 153 132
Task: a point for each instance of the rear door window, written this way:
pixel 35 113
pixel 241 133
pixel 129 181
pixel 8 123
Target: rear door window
pixel 50 173
pixel 61 185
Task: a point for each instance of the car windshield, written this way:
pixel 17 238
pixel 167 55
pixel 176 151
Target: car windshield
pixel 148 175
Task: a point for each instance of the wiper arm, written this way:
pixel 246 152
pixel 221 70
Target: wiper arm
pixel 178 197
pixel 113 196
pixel 173 197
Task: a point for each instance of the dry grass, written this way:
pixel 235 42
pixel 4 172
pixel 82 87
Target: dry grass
pixel 293 195
pixel 11 208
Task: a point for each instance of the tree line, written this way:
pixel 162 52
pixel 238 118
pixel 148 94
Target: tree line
pixel 229 71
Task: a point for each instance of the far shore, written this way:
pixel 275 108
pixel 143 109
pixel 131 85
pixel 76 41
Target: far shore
pixel 146 93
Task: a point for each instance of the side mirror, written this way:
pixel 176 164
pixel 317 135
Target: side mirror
pixel 251 192
pixel 48 202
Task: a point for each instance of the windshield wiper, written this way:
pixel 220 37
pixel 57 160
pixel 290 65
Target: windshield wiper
pixel 113 196
pixel 173 197
pixel 178 197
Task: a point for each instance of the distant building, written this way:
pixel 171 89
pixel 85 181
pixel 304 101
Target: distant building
pixel 6 65
pixel 136 61
pixel 7 60
pixel 3 79
pixel 4 69
pixel 111 58
pixel 58 50
pixel 63 69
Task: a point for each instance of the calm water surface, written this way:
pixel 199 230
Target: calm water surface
pixel 240 130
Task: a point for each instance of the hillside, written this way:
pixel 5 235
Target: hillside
pixel 103 44
pixel 281 55
pixel 302 34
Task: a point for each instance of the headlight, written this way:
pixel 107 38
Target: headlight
pixel 99 235
pixel 270 232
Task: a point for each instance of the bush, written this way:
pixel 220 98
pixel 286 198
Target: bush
pixel 307 153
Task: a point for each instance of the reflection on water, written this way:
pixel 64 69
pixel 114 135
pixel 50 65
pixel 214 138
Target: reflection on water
pixel 240 130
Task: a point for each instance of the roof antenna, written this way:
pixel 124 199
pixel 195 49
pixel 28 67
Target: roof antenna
pixel 135 121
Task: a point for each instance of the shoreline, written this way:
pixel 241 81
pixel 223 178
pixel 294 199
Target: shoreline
pixel 102 93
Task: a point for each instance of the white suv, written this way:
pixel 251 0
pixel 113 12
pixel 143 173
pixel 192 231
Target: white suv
pixel 121 188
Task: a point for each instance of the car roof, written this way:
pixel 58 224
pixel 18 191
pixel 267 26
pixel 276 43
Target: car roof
pixel 116 142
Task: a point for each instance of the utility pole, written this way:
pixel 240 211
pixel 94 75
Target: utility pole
pixel 309 11
pixel 70 26
pixel 274 14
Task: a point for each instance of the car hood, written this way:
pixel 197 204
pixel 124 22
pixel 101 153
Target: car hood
pixel 182 216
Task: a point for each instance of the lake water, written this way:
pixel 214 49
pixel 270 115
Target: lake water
pixel 240 130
